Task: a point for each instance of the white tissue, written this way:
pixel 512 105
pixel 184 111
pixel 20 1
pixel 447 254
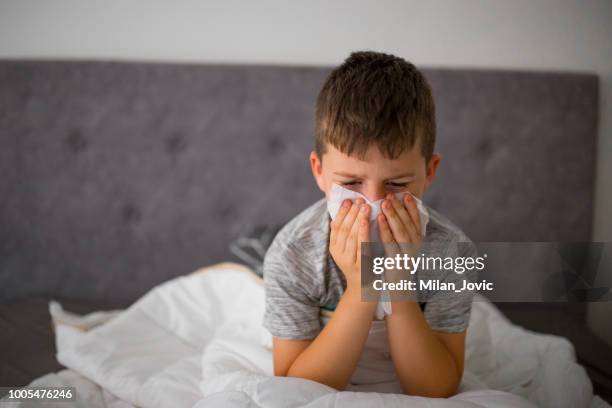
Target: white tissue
pixel 338 194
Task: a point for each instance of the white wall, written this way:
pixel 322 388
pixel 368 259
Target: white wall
pixel 565 35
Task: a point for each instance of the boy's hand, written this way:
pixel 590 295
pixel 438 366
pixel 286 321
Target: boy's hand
pixel 400 224
pixel 348 230
pixel 400 231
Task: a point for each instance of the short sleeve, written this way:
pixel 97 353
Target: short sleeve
pixel 450 311
pixel 291 311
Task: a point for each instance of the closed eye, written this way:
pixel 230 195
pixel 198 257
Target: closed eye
pixel 390 184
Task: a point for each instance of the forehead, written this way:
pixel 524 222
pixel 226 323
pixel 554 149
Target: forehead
pixel 374 161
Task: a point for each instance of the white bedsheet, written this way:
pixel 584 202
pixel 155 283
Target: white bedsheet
pixel 197 341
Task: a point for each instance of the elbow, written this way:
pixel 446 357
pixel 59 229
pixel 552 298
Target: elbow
pixel 438 392
pixel 449 389
pixel 446 392
pixel 281 371
pixel 321 378
pixel 442 382
pixel 437 389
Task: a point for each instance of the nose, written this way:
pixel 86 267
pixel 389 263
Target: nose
pixel 374 193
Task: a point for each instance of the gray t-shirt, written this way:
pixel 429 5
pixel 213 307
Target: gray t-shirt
pixel 301 277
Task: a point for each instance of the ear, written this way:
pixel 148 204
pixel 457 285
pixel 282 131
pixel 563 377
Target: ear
pixel 316 165
pixel 432 168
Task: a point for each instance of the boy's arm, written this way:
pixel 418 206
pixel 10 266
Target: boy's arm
pixel 428 363
pixel 332 356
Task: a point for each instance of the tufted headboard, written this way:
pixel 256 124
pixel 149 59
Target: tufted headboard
pixel 117 176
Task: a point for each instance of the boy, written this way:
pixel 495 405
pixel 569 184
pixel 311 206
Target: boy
pixel 375 135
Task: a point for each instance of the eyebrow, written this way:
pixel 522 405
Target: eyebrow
pixel 399 176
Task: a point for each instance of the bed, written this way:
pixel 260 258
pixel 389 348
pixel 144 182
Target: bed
pixel 120 176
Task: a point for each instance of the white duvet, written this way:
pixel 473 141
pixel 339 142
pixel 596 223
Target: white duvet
pixel 197 341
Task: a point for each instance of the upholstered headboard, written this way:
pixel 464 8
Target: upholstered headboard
pixel 117 176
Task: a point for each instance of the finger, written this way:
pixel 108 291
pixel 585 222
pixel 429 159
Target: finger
pixel 406 221
pixel 337 221
pixel 397 227
pixel 402 213
pixel 386 236
pixel 413 211
pixel 362 235
pixel 352 243
pixel 347 225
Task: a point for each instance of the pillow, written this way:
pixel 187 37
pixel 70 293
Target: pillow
pixel 252 243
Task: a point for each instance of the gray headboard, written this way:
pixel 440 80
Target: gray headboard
pixel 118 176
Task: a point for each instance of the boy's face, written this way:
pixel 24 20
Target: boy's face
pixel 375 176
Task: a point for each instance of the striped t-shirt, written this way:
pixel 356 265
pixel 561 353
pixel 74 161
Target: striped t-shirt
pixel 301 277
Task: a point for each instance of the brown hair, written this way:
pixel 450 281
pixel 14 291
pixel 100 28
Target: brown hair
pixel 379 98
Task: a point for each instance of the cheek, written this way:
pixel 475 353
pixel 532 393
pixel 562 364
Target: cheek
pixel 326 190
pixel 418 187
pixel 326 185
pixel 321 183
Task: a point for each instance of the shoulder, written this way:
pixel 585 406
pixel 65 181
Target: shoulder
pixel 309 226
pixel 301 243
pixel 440 229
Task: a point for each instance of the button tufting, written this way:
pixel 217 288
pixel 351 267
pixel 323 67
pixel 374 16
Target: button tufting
pixel 275 145
pixel 131 213
pixel 76 142
pixel 175 143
